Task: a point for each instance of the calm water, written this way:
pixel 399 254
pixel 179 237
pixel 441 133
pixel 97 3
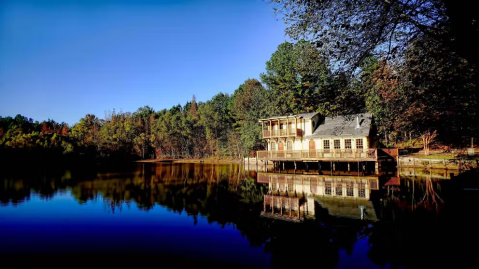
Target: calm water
pixel 175 215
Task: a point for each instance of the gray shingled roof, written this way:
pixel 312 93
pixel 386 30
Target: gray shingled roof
pixel 307 115
pixel 344 126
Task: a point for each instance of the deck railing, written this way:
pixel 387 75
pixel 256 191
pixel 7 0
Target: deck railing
pixel 318 154
pixel 282 133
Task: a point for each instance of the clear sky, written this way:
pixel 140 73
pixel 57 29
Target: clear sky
pixel 63 59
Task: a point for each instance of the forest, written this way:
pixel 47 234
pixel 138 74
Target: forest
pixel 409 63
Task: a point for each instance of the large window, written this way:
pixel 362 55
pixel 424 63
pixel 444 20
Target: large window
pixel 362 190
pixel 273 146
pixel 350 189
pixel 337 144
pixel 289 145
pixel 327 189
pixel 359 143
pixel 347 144
pixel 326 144
pixel 362 193
pixel 290 188
pixel 339 189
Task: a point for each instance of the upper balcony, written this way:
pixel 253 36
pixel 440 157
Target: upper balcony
pixel 296 125
pixel 282 133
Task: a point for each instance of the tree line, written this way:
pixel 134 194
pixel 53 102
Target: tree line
pixel 399 60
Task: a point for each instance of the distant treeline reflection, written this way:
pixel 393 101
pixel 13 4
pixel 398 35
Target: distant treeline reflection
pixel 421 221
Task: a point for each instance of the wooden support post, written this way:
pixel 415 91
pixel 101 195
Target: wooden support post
pixel 307 167
pixel 319 168
pixel 272 204
pixel 349 167
pixel 290 207
pixel 270 129
pixel 295 167
pixel 264 204
pixel 295 126
pixel 334 166
pixel 281 205
pixel 279 166
pixel 358 168
pixel 287 126
pixel 331 166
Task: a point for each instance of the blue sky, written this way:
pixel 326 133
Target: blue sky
pixel 63 59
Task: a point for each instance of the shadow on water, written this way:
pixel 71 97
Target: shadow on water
pixel 405 218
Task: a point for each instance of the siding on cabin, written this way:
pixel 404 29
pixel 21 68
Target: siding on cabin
pixel 303 144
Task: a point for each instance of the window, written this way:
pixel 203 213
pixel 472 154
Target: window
pixel 273 146
pixel 362 193
pixel 289 145
pixel 290 188
pixel 359 143
pixel 349 189
pixel 347 144
pixel 326 144
pixel 339 189
pixel 337 144
pixel 328 188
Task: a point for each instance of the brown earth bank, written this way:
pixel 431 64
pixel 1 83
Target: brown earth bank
pixel 193 160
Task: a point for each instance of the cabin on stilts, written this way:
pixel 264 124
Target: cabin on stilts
pixel 309 137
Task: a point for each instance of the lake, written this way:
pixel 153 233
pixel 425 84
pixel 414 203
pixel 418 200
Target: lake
pixel 177 215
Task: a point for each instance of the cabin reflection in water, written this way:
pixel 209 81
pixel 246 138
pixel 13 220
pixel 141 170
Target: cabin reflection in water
pixel 299 197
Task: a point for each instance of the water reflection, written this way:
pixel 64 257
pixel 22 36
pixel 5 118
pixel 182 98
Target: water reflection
pixel 298 197
pixel 398 219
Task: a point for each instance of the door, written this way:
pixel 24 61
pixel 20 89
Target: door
pixel 281 145
pixel 312 149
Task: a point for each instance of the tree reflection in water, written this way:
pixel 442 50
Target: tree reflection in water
pixel 421 222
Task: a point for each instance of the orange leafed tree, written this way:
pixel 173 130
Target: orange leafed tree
pixel 64 130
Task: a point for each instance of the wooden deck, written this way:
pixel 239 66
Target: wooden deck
pixel 352 155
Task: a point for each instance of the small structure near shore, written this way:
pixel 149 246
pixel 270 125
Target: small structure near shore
pixel 430 163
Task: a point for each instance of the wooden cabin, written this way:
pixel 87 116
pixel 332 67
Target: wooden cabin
pixel 311 137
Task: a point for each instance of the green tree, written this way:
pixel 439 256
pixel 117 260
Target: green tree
pixel 296 73
pixel 349 31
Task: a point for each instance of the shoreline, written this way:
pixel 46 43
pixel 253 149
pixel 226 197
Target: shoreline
pixel 204 160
